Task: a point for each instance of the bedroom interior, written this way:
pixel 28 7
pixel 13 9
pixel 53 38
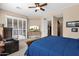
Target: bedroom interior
pixel 39 29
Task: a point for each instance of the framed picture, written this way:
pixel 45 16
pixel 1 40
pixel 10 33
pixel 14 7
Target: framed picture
pixel 74 30
pixel 72 24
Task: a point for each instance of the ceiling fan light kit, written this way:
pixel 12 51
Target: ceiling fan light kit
pixel 38 8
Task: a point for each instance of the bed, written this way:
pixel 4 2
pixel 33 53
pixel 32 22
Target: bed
pixel 54 46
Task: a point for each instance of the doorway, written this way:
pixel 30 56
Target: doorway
pixel 49 28
pixel 46 27
pixel 59 27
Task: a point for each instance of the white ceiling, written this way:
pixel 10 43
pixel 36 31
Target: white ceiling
pixel 24 10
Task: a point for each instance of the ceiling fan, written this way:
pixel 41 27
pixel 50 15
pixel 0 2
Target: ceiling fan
pixel 38 6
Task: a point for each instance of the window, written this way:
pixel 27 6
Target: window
pixel 24 24
pixel 15 32
pixel 20 24
pixel 19 32
pixel 15 24
pixel 9 22
pixel 24 32
pixel 18 27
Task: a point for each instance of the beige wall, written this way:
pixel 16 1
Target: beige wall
pixel 1 31
pixel 70 14
pixel 34 20
pixel 1 17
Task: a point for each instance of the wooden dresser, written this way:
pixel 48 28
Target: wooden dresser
pixel 36 34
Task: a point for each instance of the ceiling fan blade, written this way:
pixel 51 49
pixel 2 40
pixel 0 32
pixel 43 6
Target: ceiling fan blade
pixel 37 4
pixel 43 5
pixel 32 7
pixel 35 10
pixel 42 9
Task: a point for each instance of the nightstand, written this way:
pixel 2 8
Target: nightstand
pixel 29 41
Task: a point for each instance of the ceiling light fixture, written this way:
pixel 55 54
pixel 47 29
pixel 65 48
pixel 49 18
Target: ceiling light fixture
pixel 38 8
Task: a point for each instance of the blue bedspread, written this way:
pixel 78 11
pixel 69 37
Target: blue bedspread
pixel 54 46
